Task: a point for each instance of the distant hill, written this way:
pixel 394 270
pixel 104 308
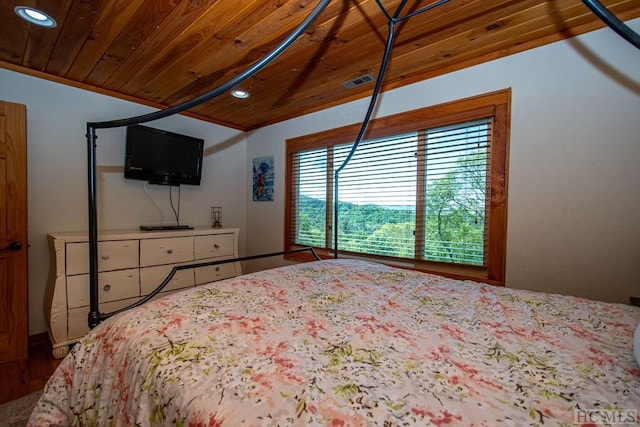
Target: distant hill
pixel 366 218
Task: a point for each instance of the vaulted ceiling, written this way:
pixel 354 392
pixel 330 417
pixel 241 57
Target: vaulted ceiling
pixel 164 52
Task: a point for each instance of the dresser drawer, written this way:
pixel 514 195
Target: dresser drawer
pixel 112 255
pixel 112 286
pixel 151 277
pixel 213 273
pixel 77 317
pixel 131 264
pixel 166 251
pixel 215 245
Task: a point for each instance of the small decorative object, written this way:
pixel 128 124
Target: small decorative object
pixel 216 217
pixel 263 179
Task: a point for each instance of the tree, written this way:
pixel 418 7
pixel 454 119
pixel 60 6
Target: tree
pixel 453 222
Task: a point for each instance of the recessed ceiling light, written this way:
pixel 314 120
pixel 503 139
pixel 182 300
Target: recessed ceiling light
pixel 35 16
pixel 242 94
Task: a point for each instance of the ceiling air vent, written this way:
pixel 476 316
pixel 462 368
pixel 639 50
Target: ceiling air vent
pixel 359 81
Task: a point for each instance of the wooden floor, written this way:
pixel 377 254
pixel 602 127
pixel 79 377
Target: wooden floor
pixel 20 378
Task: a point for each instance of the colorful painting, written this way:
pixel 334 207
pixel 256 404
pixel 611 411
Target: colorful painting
pixel 263 179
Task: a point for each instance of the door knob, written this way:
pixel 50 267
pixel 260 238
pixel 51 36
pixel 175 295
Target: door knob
pixel 14 246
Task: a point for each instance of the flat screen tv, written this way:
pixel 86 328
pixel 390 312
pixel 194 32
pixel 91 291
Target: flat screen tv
pixel 162 157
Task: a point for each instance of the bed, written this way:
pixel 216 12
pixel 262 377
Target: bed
pixel 350 342
pixel 344 342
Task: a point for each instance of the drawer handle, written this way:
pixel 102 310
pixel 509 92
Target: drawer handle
pixel 169 251
pixel 105 257
pixel 217 268
pixel 107 287
pixel 217 246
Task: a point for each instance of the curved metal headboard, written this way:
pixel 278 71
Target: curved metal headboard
pixel 95 317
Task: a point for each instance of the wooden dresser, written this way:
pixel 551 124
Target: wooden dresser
pixel 131 264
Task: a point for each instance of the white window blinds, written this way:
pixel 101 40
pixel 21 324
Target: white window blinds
pixel 456 191
pixel 418 195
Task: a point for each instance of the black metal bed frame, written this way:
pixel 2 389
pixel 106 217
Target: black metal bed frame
pixel 175 269
pixel 95 316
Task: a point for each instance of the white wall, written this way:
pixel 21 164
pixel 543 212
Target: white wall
pixel 57 172
pixel 574 165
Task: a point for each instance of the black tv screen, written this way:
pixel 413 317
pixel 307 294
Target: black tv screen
pixel 162 157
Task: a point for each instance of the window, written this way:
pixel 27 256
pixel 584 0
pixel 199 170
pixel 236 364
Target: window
pixel 425 189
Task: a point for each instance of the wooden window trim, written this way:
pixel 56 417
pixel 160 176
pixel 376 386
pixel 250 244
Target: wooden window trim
pixel 496 104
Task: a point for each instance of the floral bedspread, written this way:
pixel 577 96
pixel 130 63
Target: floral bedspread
pixel 349 343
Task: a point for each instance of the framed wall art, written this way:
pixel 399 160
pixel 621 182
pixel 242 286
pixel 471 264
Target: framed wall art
pixel 263 178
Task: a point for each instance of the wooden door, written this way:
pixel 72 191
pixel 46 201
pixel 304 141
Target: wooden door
pixel 14 311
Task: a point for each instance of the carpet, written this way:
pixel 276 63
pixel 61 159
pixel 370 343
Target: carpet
pixel 16 413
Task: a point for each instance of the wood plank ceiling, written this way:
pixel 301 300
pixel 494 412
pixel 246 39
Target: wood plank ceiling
pixel 164 52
